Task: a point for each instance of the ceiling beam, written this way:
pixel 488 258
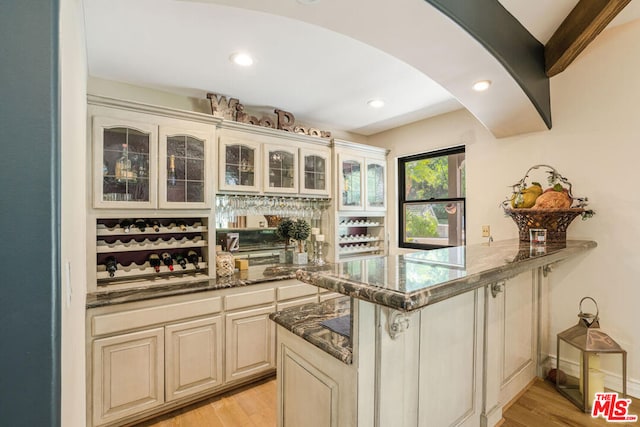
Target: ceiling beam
pixel 579 28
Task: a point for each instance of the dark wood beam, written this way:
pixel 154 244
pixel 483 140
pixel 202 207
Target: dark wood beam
pixel 579 28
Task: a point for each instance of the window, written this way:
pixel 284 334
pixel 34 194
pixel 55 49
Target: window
pixel 432 199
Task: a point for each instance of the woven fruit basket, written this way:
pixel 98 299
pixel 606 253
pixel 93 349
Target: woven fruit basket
pixel 552 209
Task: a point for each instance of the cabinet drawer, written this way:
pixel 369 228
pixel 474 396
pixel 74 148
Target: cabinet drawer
pixel 248 299
pixel 133 319
pixel 296 291
pixel 296 302
pixel 330 295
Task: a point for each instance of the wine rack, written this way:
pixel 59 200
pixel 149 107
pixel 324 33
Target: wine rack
pixel 128 243
pixel 360 235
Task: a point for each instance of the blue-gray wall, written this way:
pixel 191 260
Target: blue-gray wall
pixel 29 214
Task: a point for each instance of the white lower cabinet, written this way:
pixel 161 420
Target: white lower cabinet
pixel 511 341
pixel 193 357
pixel 314 388
pixel 128 374
pixel 152 356
pixel 250 343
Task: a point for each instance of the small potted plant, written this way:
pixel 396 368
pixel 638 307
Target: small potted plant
pixel 300 231
pixel 283 231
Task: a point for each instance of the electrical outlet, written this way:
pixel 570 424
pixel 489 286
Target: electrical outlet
pixel 486 231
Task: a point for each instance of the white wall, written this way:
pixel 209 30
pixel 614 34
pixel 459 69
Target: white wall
pixel 595 142
pixel 73 76
pixel 113 89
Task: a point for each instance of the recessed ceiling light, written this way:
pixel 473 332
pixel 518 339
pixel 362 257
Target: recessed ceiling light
pixel 308 1
pixel 481 85
pixel 242 59
pixel 375 103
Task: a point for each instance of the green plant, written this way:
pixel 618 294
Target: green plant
pixel 421 225
pixel 300 231
pixel 284 231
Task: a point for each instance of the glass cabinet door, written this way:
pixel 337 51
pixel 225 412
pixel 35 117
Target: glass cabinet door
pixel 315 173
pixel 281 169
pixel 376 184
pixel 350 183
pixel 239 165
pixel 184 163
pixel 124 170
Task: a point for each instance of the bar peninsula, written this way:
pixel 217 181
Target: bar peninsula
pixel 432 338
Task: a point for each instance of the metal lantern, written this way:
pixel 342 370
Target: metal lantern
pixel 591 342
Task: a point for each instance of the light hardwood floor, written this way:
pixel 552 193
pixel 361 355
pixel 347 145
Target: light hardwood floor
pixel 255 406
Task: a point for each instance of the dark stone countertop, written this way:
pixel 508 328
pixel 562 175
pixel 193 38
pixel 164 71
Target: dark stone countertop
pixel 158 289
pixel 304 321
pixel 412 281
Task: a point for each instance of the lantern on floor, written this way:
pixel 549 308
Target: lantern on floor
pixel 591 342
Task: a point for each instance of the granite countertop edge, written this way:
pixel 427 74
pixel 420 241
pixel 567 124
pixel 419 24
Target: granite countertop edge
pixel 305 322
pixel 418 299
pixel 149 291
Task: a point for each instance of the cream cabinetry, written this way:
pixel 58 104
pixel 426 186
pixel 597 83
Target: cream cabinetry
pixel 512 331
pixel 263 160
pixel 193 356
pixel 150 356
pixel 360 203
pixel 250 343
pixel 128 374
pixel 144 356
pixel 362 177
pixel 314 389
pixel 280 169
pixel 315 171
pixel 143 158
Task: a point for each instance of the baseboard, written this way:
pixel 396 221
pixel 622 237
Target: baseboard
pixel 612 381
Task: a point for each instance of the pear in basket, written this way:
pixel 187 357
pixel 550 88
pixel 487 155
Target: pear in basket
pixel 527 197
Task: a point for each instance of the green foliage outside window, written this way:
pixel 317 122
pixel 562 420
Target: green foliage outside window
pixel 420 224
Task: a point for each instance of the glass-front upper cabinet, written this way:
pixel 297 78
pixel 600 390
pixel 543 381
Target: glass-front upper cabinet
pixel 184 166
pixel 239 165
pixel 124 154
pixel 280 169
pixel 376 185
pixel 350 182
pixel 315 173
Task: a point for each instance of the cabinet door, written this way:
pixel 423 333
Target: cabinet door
pixel 315 172
pixel 239 165
pixel 128 374
pixel 511 341
pixel 350 182
pixel 249 344
pixel 184 168
pixel 193 355
pixel 280 169
pixel 376 185
pixel 124 164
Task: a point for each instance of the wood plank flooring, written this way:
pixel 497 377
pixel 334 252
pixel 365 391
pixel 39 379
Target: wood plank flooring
pixel 250 406
pixel 541 405
pixel 255 406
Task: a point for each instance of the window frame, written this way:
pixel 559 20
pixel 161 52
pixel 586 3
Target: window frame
pixel 402 201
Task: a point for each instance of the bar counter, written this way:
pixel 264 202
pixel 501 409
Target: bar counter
pixel 410 282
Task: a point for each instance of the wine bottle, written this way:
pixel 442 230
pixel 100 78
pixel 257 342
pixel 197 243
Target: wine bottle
pixel 141 224
pixel 182 261
pixel 125 224
pixel 192 256
pixel 112 265
pixel 154 261
pixel 167 260
pixel 156 225
pixel 182 224
pixel 171 176
pixel 123 165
